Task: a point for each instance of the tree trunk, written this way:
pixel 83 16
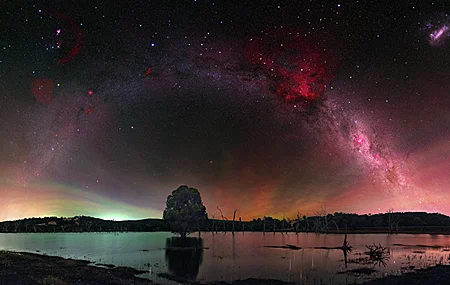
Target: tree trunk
pixel 264 225
pixel 234 216
pixel 223 220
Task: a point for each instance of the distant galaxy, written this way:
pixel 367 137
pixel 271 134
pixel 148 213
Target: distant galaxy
pixel 438 29
pixel 265 108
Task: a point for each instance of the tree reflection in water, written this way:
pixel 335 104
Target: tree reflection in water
pixel 184 256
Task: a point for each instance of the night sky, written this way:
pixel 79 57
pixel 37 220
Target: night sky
pixel 263 106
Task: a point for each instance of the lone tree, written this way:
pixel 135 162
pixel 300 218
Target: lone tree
pixel 185 212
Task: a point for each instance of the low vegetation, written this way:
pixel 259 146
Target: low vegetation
pixel 410 222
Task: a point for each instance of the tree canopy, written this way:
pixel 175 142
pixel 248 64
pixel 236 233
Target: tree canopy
pixel 185 212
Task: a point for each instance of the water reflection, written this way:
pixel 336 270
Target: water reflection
pixel 184 256
pixel 241 256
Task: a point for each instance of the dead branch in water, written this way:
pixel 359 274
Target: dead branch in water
pixel 264 225
pixel 213 220
pixel 234 217
pixel 297 225
pixel 376 251
pixel 345 246
pixel 223 219
pixel 378 254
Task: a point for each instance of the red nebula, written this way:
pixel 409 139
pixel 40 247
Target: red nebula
pixel 298 67
pixel 149 71
pixel 42 90
pixel 88 111
pixel 72 40
pixel 358 141
pixel 90 92
pixel 76 47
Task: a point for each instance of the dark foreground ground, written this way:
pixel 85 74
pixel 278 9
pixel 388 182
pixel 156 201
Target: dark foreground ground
pixel 28 268
pixel 439 275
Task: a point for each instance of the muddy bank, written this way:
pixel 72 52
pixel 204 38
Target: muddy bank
pixel 439 275
pixel 27 268
pixel 248 281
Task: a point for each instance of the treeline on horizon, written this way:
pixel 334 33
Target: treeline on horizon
pixel 391 222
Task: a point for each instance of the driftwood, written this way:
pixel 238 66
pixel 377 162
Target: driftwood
pixel 287 246
pixel 418 245
pixel 346 247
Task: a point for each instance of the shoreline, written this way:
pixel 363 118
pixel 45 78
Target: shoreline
pixel 31 268
pixel 349 232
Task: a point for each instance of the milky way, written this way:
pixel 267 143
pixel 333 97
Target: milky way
pixel 266 109
pixel 300 71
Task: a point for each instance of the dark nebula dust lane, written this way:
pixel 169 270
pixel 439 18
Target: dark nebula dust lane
pixel 266 107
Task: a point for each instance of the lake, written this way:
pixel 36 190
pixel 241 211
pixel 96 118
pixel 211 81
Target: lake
pixel 228 257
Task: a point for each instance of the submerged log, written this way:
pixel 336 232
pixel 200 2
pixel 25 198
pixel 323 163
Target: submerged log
pixel 287 246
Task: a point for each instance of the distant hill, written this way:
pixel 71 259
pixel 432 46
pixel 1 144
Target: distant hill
pixel 398 222
pixel 81 224
pixel 394 222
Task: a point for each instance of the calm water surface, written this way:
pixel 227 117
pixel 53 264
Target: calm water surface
pixel 228 257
